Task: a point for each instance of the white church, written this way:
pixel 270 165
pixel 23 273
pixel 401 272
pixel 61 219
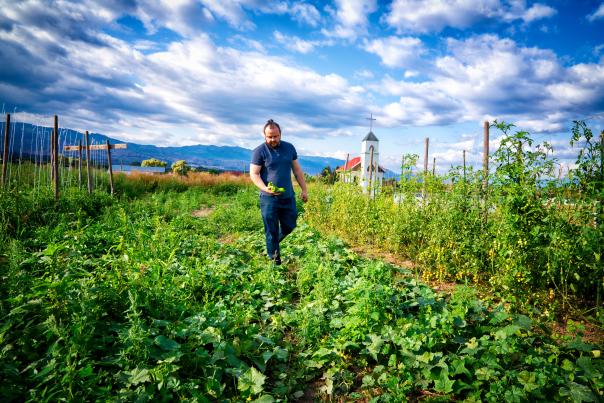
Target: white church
pixel 365 169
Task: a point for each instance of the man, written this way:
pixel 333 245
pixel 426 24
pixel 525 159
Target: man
pixel 273 162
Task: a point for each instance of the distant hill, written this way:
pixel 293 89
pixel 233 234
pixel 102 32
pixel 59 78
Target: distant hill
pixel 35 140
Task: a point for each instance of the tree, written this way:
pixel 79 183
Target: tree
pixel 589 169
pixel 153 162
pixel 327 175
pixel 180 167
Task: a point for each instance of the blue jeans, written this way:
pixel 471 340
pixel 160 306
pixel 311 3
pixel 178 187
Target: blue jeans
pixel 279 216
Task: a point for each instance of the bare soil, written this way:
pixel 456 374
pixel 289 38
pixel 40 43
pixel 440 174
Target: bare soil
pixel 203 212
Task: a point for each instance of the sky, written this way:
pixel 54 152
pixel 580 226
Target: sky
pixel 183 72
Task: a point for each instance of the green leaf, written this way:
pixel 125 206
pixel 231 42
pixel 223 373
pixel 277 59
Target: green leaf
pixel 527 380
pixel 281 353
pixel 580 346
pixel 578 392
pixel 506 331
pixel 137 376
pixel 459 367
pixel 459 322
pixel 322 352
pixel 375 346
pixel 568 366
pixel 585 364
pixel 392 361
pixel 443 384
pixel 523 321
pixel 86 371
pixel 166 344
pixel 251 380
pixel 368 381
pixel 264 399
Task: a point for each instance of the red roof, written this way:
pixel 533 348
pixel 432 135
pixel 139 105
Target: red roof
pixel 351 164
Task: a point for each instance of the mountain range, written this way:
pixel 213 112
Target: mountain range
pixel 28 140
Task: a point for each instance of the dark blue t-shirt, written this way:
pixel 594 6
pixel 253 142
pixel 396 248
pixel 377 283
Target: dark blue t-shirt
pixel 276 165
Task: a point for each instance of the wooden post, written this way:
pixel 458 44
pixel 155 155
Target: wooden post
pixel 52 154
pixel 427 142
pixel 79 163
pixel 346 168
pixel 86 138
pixel 601 208
pixel 464 180
pixel 110 167
pixel 601 163
pixel 5 152
pixel 485 156
pixel 55 151
pixel 433 166
pixel 426 155
pixel 464 166
pixel 485 163
pixel 370 169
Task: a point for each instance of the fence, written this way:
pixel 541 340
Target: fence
pixel 52 158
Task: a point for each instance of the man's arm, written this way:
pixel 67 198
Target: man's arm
pixel 300 179
pixel 257 180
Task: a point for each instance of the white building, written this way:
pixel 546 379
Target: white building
pixel 365 169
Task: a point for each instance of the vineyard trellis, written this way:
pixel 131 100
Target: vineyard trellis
pixel 50 162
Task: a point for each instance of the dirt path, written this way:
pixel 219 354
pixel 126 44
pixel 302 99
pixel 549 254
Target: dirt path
pixel 203 212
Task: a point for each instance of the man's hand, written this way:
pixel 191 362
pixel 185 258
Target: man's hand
pixel 300 178
pixel 304 196
pixel 271 192
pixel 274 188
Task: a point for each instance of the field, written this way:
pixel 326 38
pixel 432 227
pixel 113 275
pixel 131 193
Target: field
pixel 163 292
pixel 135 298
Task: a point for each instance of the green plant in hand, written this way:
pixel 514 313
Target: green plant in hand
pixel 273 188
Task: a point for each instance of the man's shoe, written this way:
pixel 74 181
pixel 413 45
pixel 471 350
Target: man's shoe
pixel 277 261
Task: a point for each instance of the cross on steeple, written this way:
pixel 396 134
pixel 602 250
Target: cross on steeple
pixel 370 119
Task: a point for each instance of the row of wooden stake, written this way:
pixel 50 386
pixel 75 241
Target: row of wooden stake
pixel 54 157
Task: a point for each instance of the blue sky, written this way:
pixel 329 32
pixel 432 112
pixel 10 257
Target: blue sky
pixel 181 72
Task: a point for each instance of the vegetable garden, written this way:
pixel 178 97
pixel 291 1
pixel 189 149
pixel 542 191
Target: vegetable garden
pixel 133 298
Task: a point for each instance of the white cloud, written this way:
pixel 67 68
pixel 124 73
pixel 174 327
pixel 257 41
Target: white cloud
pixel 433 15
pixel 188 17
pixel 364 74
pixel 538 11
pixel 247 42
pixel 229 10
pixel 599 13
pixel 193 91
pixel 339 154
pixel 397 51
pixel 299 45
pixel 425 16
pixel 351 18
pixel 305 13
pixel 486 75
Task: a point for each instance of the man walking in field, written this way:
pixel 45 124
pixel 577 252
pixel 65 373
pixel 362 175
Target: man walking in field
pixel 272 164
